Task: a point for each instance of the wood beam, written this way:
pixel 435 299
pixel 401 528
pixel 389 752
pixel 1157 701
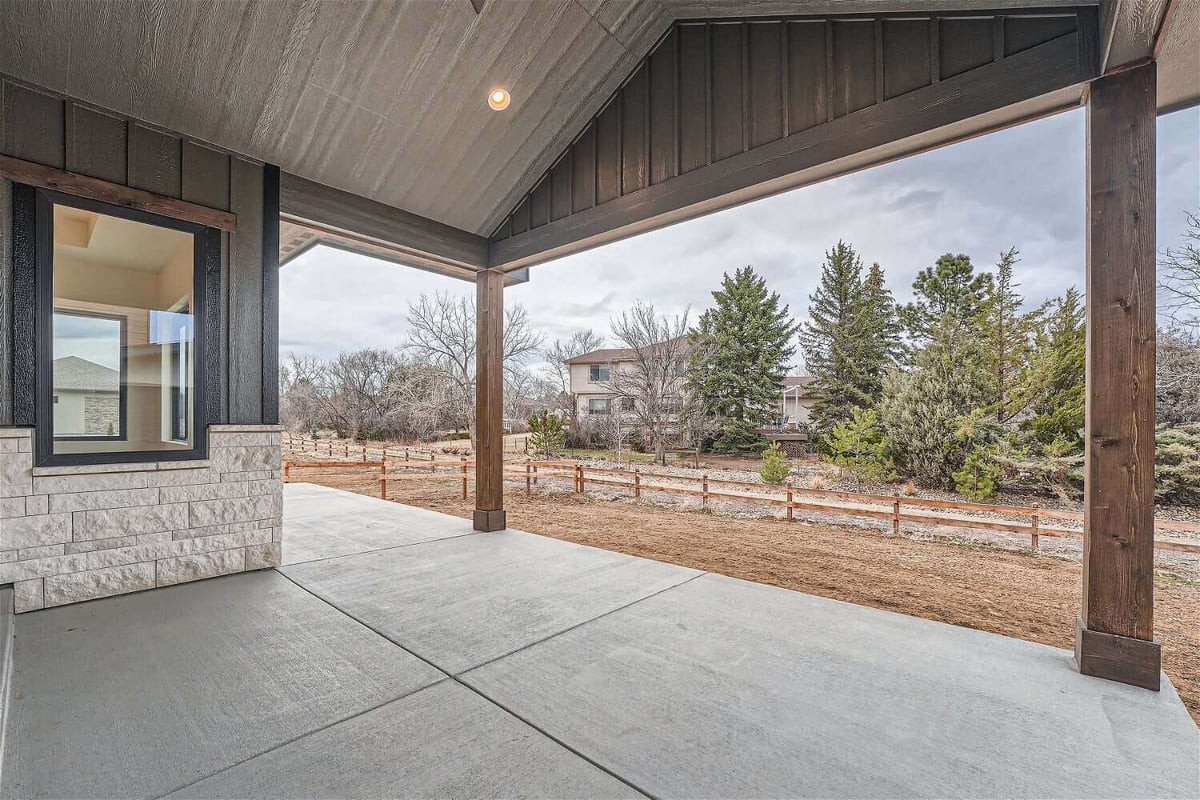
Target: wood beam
pixel 419 241
pixel 43 177
pixel 1115 635
pixel 489 401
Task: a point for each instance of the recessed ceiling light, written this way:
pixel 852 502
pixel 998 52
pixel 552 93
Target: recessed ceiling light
pixel 498 99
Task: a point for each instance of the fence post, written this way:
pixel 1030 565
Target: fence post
pixel 463 462
pixel 535 475
pixel 432 469
pixel 364 452
pixel 704 492
pixel 528 479
pixel 406 455
pixel 578 478
pixel 896 515
pixel 637 484
pixel 346 449
pixel 287 471
pixel 1033 521
pixel 383 476
pixel 789 501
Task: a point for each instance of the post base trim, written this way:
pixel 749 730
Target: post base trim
pixel 1124 659
pixel 490 520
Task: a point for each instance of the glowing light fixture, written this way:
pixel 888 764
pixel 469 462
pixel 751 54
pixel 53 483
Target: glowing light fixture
pixel 498 99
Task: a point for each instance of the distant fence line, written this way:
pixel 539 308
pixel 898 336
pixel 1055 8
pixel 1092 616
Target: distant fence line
pixel 406 463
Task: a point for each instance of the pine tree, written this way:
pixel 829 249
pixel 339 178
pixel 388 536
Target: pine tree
pixel 881 331
pixel 922 410
pixel 1057 373
pixel 950 288
pixel 1009 336
pixel 834 340
pixel 740 351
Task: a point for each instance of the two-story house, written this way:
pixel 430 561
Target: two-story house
pixel 597 385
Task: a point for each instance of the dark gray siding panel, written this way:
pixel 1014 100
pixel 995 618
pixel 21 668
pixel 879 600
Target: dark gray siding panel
pixel 205 176
pixel 155 161
pixel 32 125
pixel 560 189
pixel 5 303
pixel 96 144
pixel 715 90
pixel 245 294
pixel 47 129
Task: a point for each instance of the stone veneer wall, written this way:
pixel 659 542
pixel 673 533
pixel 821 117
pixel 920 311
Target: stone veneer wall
pixel 76 533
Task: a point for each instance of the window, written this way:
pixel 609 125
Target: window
pixel 627 404
pixel 599 373
pixel 118 361
pixel 597 405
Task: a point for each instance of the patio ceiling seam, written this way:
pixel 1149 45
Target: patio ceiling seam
pixel 306 734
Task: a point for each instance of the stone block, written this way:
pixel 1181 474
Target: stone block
pixel 11 506
pixel 16 474
pixel 37 504
pixel 243 439
pixel 28 596
pixel 201 565
pixel 108 481
pixel 257 475
pixel 245 459
pixel 88 545
pixel 236 509
pixel 202 491
pixel 130 521
pixel 45 551
pixel 263 556
pixel 78 586
pixel 36 531
pixel 97 501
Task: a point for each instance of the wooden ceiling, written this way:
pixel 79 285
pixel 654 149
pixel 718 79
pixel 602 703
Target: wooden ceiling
pixel 381 99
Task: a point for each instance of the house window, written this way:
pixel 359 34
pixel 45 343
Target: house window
pixel 118 322
pixel 627 404
pixel 597 405
pixel 599 373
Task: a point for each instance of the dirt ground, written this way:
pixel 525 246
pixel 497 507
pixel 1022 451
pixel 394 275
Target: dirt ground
pixel 1033 597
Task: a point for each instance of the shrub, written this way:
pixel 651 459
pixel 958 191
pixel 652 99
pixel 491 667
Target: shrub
pixel 858 446
pixel 980 475
pixel 775 467
pixel 1177 464
pixel 545 434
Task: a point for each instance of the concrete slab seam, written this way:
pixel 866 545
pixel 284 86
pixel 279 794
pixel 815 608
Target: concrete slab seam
pixel 379 550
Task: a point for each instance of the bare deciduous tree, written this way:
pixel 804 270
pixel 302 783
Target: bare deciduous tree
pixel 442 333
pixel 1177 382
pixel 1179 272
pixel 654 383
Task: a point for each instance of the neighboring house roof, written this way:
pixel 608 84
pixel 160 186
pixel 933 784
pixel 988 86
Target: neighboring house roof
pixel 610 354
pixel 79 374
pixel 799 385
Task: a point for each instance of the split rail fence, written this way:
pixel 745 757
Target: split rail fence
pixel 403 463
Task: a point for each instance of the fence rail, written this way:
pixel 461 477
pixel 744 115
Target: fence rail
pixel 399 464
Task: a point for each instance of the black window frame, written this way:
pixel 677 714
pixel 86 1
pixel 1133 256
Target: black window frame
pixel 33 267
pixel 122 390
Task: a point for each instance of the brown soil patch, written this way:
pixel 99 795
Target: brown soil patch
pixel 1033 597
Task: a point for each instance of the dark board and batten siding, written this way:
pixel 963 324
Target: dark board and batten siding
pixel 711 91
pixel 46 129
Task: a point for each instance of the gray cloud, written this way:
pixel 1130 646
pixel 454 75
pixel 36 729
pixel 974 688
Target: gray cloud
pixel 1021 187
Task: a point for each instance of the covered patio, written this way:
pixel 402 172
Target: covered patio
pixel 399 653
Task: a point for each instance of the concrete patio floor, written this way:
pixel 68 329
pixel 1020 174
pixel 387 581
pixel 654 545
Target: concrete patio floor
pixel 400 654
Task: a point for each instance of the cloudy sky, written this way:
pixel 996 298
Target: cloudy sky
pixel 1022 187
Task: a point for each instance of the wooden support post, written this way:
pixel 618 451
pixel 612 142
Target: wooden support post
pixel 383 477
pixel 1033 524
pixel 1115 632
pixel 489 401
pixel 789 501
pixel 637 484
pixel 896 514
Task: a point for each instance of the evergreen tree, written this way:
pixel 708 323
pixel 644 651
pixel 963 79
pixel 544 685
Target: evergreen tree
pixel 740 351
pixel 922 410
pixel 1057 369
pixel 881 332
pixel 834 340
pixel 950 288
pixel 1008 334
